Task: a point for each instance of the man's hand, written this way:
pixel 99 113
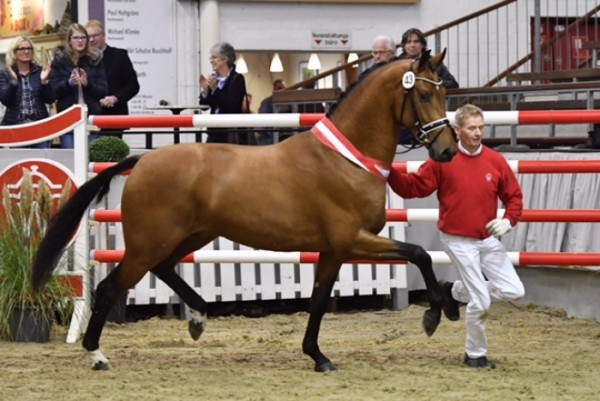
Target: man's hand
pixel 498 227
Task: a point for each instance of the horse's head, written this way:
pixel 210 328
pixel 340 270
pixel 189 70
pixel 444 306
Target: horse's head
pixel 423 108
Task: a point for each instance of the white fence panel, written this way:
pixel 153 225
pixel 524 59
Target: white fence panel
pixel 217 282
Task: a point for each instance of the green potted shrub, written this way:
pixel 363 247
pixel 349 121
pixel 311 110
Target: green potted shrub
pixel 108 149
pixel 25 315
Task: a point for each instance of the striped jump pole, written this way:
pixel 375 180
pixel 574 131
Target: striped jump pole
pixel 438 257
pixel 517 166
pixel 431 215
pixel 520 117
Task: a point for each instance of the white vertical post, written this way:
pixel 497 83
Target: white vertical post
pixel 81 246
pixel 209 31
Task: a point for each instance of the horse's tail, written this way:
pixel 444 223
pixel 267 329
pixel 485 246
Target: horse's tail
pixel 65 221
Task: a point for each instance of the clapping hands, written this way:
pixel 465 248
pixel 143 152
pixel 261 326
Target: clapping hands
pixel 45 74
pixel 13 75
pixel 207 84
pixel 78 77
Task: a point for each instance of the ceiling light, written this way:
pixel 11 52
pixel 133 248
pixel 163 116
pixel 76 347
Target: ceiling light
pixel 240 65
pixel 276 65
pixel 313 62
pixel 352 57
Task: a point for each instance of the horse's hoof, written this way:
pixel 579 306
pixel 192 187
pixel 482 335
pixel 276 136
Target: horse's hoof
pixel 196 329
pixel 100 366
pixel 451 306
pixel 430 322
pixel 325 367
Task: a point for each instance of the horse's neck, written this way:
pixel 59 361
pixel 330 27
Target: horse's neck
pixel 370 129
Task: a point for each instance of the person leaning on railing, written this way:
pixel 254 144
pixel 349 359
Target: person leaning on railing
pixel 24 86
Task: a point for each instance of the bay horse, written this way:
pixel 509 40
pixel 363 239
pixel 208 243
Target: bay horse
pixel 322 190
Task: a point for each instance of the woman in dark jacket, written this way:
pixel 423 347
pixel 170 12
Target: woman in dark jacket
pixel 224 91
pixel 77 70
pixel 24 87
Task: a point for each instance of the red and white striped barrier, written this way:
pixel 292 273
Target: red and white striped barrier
pixel 517 166
pixel 438 257
pixel 423 215
pixel 523 117
pixel 207 120
pixel 527 166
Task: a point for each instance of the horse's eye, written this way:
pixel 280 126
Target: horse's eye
pixel 425 96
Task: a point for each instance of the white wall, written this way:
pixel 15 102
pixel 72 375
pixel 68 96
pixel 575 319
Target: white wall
pixel 268 26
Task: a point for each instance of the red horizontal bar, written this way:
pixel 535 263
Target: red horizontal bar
pixel 142 121
pixel 401 215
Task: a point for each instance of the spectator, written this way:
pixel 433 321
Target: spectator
pixel 267 137
pixel 121 77
pixel 78 74
pixel 468 189
pixel 413 44
pixel 24 86
pixel 224 91
pixel 383 50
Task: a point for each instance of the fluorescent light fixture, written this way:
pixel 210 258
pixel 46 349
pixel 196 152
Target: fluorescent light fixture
pixel 240 65
pixel 313 62
pixel 352 57
pixel 276 65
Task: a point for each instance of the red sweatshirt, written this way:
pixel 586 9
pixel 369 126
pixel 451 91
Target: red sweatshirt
pixel 468 191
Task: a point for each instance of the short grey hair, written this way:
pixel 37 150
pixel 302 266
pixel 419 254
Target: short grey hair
pixel 466 111
pixel 391 45
pixel 225 51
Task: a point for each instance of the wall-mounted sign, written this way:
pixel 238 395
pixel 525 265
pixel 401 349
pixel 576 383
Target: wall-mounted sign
pixel 330 40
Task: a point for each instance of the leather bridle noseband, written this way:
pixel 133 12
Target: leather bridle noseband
pixel 408 81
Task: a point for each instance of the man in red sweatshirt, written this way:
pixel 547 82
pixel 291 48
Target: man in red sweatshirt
pixel 468 189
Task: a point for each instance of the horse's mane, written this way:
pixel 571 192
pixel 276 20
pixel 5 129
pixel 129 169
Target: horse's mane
pixel 375 70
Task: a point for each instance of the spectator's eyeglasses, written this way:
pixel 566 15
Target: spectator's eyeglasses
pixel 95 35
pixel 79 38
pixel 24 49
pixel 380 53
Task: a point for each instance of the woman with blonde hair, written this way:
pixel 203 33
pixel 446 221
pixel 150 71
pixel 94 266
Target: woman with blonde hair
pixel 24 86
pixel 77 72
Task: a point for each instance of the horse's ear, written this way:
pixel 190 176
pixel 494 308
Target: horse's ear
pixel 437 60
pixel 424 59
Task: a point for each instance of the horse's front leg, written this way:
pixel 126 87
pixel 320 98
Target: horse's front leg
pixel 326 273
pixel 372 247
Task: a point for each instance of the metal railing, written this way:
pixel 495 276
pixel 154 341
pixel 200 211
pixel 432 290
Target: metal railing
pixel 512 36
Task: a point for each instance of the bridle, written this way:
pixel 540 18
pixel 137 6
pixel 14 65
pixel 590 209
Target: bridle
pixel 408 82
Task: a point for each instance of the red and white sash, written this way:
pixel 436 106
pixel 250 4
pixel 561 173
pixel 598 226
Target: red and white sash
pixel 331 137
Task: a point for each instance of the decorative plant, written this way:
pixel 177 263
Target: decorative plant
pixel 108 149
pixel 21 229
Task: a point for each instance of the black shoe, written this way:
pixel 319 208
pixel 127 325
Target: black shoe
pixel 481 362
pixel 451 306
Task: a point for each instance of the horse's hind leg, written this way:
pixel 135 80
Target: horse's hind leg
pixel 108 291
pixel 372 247
pixel 198 306
pixel 326 273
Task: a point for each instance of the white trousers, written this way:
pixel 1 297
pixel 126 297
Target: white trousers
pixel 474 258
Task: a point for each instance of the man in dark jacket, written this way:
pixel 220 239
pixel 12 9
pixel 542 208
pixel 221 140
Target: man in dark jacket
pixel 122 79
pixel 413 45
